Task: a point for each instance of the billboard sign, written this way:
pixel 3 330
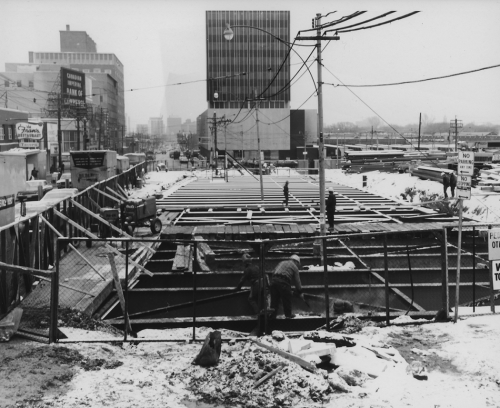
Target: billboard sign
pixel 72 87
pixel 25 130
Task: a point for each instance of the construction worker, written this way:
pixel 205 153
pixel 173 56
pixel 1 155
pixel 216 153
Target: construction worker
pixel 281 286
pixel 285 193
pixel 251 273
pixel 446 183
pixel 453 183
pixel 331 203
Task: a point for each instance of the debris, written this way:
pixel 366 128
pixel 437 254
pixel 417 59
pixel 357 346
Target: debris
pixel 210 351
pixel 417 369
pixel 278 335
pixel 267 376
pixel 337 383
pixel 359 358
pixel 10 323
pixel 303 363
pixel 352 377
pixel 327 337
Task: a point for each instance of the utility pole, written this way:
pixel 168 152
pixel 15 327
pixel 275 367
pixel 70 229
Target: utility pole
pixel 216 154
pixel 419 126
pixel 77 132
pixel 59 133
pixel 258 146
pixel 100 131
pixel 318 39
pixel 322 203
pixel 123 132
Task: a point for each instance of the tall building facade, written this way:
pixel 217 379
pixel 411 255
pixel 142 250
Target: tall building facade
pixel 156 126
pixel 254 64
pixel 103 70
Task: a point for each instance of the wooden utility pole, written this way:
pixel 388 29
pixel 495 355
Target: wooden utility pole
pixel 419 125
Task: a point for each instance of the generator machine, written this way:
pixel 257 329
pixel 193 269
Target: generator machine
pixel 140 212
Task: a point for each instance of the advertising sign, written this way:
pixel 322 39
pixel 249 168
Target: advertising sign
pixel 494 244
pixel 72 87
pixel 495 274
pixel 466 163
pixel 463 186
pixel 52 132
pixel 88 160
pixel 29 144
pixel 26 130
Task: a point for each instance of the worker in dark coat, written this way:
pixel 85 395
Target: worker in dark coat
pixel 285 193
pixel 446 183
pixel 331 203
pixel 453 183
pixel 286 273
pixel 251 274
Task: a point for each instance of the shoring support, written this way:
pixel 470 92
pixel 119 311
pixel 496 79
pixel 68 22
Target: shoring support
pixel 109 247
pixel 54 298
pixel 445 296
pixel 72 246
pixel 386 267
pixel 325 274
pixel 194 289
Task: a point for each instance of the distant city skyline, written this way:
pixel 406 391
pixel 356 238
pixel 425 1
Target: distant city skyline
pixel 156 39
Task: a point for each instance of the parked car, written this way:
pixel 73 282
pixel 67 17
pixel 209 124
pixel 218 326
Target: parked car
pixel 31 191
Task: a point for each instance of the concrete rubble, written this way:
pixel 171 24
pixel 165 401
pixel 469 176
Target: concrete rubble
pixel 251 374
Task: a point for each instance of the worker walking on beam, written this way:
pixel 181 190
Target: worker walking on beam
pixel 281 286
pixel 251 274
pixel 285 193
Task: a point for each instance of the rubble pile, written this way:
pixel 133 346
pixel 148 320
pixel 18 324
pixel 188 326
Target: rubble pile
pixel 232 381
pixel 349 323
pixel 73 318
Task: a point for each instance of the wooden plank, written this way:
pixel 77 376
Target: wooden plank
pixel 295 230
pixel 300 361
pixel 287 231
pixel 257 232
pixel 180 261
pixel 119 290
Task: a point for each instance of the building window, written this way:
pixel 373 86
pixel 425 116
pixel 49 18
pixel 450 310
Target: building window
pixel 2 133
pixel 107 71
pixel 86 71
pixel 9 133
pixel 97 70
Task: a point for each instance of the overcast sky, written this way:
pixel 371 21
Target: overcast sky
pixel 155 38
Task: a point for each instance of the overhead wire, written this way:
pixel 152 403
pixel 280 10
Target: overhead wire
pixel 418 80
pixel 363 22
pixel 378 25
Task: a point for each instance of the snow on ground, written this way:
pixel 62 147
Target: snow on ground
pixel 483 206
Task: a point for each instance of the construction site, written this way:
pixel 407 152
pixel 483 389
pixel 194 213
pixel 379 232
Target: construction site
pixel 381 260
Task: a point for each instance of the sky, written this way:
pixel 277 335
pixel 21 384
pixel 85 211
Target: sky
pixel 158 39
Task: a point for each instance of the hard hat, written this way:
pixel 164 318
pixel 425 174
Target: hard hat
pixel 442 173
pixel 246 257
pixel 295 258
pixel 330 189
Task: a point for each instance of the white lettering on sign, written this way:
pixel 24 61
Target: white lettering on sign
pixel 495 273
pixel 494 244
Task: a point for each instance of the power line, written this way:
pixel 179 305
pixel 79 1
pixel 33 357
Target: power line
pixel 416 81
pixel 378 25
pixel 363 22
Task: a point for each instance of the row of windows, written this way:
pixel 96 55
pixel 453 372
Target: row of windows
pixel 96 71
pixel 74 56
pixel 9 135
pixel 17 83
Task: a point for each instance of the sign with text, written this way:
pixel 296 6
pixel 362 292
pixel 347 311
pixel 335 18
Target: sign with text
pixel 52 132
pixel 88 160
pixel 463 186
pixel 72 87
pixel 466 163
pixel 495 274
pixel 29 144
pixel 26 130
pixel 494 244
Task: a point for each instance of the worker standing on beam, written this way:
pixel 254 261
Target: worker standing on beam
pixel 453 183
pixel 285 192
pixel 251 273
pixel 281 286
pixel 446 183
pixel 331 203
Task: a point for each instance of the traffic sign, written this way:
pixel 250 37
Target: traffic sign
pixel 463 186
pixel 495 274
pixel 466 163
pixel 494 244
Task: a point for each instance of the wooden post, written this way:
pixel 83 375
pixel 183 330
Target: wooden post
pixel 127 319
pixel 263 292
pixel 445 296
pixel 327 295
pixel 473 269
pixel 459 255
pixel 386 267
pixel 3 274
pixel 119 291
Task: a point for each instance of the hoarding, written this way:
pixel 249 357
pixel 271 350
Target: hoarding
pixel 72 87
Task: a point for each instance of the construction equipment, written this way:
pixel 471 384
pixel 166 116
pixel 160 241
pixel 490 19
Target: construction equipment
pixel 139 212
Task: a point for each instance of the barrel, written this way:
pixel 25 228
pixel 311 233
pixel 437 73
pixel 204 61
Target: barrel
pixel 138 183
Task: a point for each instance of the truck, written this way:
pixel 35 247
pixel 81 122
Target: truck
pixel 91 166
